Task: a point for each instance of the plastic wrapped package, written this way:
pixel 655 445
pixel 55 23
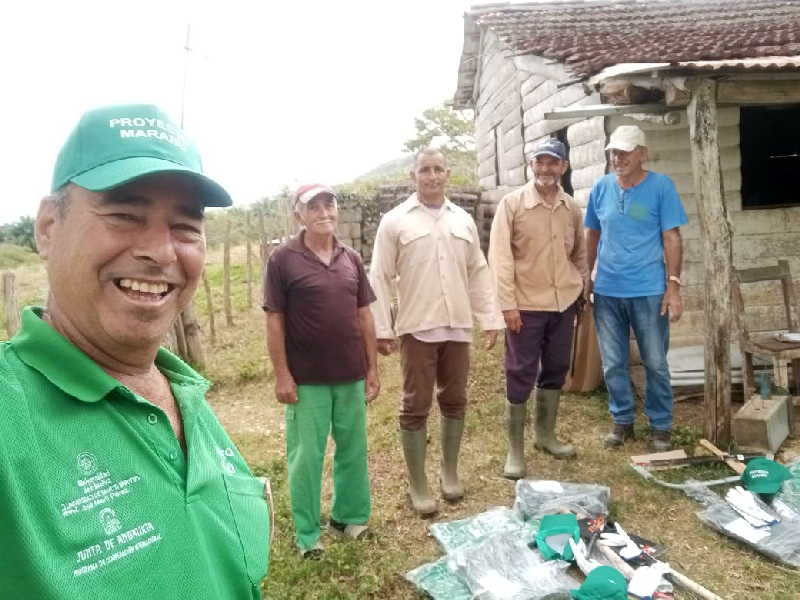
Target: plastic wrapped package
pixel 537 497
pixel 790 493
pixel 503 567
pixel 454 534
pixel 702 493
pixel 780 542
pixel 439 581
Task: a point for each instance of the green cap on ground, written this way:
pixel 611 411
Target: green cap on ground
pixel 764 476
pixel 114 145
pixel 602 583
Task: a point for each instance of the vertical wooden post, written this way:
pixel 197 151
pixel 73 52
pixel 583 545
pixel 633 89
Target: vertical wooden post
pixel 248 249
pixel 718 256
pixel 192 338
pixel 180 338
pixel 262 230
pixel 226 275
pixel 210 307
pixel 10 303
pixel 290 224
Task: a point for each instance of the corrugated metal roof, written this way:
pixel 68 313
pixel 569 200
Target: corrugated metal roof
pixel 588 36
pixel 766 63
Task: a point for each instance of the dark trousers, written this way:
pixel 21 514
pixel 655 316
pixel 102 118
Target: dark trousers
pixel 444 365
pixel 539 354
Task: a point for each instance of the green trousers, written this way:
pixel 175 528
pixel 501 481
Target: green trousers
pixel 340 410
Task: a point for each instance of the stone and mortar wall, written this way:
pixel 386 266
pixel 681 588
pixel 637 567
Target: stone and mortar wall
pixel 359 216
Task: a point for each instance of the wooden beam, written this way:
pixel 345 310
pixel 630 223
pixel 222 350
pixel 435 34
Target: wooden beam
pixel 758 92
pixel 10 303
pixel 718 258
pixel 593 110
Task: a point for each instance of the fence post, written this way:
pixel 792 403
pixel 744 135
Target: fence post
pixel 10 302
pixel 263 232
pixel 192 338
pixel 180 338
pixel 226 275
pixel 248 249
pixel 210 306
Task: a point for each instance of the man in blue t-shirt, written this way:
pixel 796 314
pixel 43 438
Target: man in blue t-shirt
pixel 633 220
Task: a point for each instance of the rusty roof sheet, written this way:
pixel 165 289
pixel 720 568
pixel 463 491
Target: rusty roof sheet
pixel 587 36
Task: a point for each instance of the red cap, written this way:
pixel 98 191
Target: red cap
pixel 306 193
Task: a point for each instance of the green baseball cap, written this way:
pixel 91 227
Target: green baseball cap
pixel 113 145
pixel 602 583
pixel 764 476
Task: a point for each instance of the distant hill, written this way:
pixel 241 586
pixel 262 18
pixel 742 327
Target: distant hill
pixel 463 167
pixel 396 167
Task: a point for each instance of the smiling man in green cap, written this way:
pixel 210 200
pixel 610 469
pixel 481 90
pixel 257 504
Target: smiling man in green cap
pixel 116 478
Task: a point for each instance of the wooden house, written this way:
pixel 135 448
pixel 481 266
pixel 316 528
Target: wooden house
pixel 715 84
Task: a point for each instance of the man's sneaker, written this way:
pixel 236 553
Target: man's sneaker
pixel 357 532
pixel 618 435
pixel 313 553
pixel 661 440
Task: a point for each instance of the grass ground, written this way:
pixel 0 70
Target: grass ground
pixel 243 399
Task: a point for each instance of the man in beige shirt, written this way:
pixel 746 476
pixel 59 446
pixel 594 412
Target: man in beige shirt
pixel 427 255
pixel 537 252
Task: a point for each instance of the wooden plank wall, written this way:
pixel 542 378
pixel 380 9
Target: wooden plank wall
pixel 512 98
pixel 499 120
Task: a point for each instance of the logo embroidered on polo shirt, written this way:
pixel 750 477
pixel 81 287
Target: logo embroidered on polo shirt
pixel 87 463
pixel 108 518
pixel 226 465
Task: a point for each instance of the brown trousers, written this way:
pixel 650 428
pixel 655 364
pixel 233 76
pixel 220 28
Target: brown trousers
pixel 443 364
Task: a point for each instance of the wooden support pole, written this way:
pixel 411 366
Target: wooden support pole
pixel 195 353
pixel 291 225
pixel 212 329
pixel 180 338
pixel 10 303
pixel 248 250
pixel 226 275
pixel 718 258
pixel 262 230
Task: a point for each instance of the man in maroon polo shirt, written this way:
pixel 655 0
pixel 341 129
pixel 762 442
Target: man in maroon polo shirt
pixel 321 340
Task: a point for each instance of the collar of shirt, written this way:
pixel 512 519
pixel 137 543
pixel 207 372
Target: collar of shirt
pixel 533 198
pixel 297 244
pixel 413 202
pixel 44 349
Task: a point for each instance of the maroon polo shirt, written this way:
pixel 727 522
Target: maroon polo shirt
pixel 320 306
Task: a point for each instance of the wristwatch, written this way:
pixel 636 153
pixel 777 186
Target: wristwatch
pixel 675 278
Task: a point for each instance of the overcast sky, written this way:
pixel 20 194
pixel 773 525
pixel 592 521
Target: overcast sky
pixel 278 92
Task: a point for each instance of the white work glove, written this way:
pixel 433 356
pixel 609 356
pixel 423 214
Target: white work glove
pixel 645 580
pixel 579 551
pixel 621 539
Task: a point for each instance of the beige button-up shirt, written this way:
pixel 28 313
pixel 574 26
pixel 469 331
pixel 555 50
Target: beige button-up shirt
pixel 434 266
pixel 537 253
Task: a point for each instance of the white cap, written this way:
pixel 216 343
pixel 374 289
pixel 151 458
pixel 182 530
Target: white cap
pixel 626 138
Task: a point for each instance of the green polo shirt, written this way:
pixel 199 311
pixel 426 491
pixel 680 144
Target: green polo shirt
pixel 98 499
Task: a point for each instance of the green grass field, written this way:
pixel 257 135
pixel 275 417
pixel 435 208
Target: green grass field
pixel 242 397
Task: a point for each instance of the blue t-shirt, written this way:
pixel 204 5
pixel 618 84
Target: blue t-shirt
pixel 630 256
